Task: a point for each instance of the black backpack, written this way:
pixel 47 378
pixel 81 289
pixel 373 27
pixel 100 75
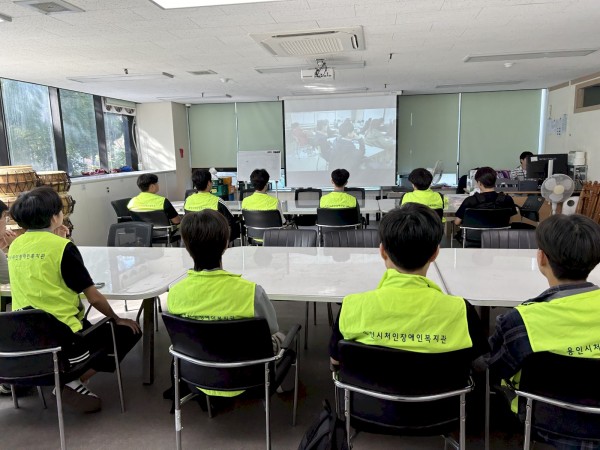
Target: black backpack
pixel 327 432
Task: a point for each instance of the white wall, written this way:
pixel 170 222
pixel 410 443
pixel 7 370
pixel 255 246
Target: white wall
pixel 582 131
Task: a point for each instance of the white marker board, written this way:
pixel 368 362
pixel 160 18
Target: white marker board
pixel 270 160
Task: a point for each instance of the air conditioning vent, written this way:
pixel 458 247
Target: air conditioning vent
pixel 313 42
pixel 50 7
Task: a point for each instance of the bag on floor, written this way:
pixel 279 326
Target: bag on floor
pixel 327 432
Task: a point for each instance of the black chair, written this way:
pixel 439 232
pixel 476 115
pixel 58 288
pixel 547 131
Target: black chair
pixel 30 355
pixel 189 192
pixel 309 197
pixel 164 232
pixel 359 194
pixel 246 193
pixel 296 238
pixel 560 395
pixel 120 207
pixel 229 355
pixel 367 238
pixel 130 234
pixel 392 391
pixel 508 239
pixel 531 207
pixel 476 220
pixel 256 222
pixel 335 219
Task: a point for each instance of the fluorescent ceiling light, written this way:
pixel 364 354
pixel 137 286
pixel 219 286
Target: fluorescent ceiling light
pixel 331 64
pixel 194 98
pixel 50 6
pixel 122 77
pixel 491 83
pixel 4 18
pixel 327 90
pixel 173 4
pixel 531 55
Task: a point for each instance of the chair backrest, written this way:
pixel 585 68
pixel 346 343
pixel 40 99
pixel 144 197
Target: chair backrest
pixel 290 238
pixel 308 194
pixel 157 218
pixel 352 238
pixel 337 217
pixel 130 234
pixel 256 222
pixel 508 239
pixel 29 330
pixel 398 372
pixel 189 192
pixel 245 193
pixel 120 207
pixel 221 341
pixel 486 218
pixel 359 193
pixel 564 378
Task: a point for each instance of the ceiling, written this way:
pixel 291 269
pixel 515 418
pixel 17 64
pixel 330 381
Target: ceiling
pixel 428 40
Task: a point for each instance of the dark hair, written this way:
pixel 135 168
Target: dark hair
pixel 206 236
pixel 525 155
pixel 3 207
pixel 201 178
pixel 34 210
pixel 421 178
pixel 410 235
pixel 145 180
pixel 346 128
pixel 340 177
pixel 259 179
pixel 486 176
pixel 571 243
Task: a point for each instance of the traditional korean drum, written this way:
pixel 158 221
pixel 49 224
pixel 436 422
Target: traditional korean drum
pixel 57 180
pixel 9 200
pixel 68 203
pixel 17 179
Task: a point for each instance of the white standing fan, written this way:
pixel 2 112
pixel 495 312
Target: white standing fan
pixel 557 188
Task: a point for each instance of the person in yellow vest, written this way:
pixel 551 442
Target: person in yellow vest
pixel 338 198
pixel 148 200
pixel 203 199
pixel 6 238
pixel 565 318
pixel 260 200
pixel 421 181
pixel 47 272
pixel 211 293
pixel 407 310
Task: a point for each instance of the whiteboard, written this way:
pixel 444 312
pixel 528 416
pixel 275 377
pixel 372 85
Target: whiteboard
pixel 270 160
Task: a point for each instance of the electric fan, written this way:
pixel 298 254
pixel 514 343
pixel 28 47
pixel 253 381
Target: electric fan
pixel 556 189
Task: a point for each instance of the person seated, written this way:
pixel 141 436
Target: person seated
pixel 348 149
pixel 520 172
pixel 52 282
pixel 421 181
pixel 148 200
pixel 406 298
pixel 568 250
pixel 211 291
pixel 487 198
pixel 260 200
pixel 338 198
pixel 203 199
pixel 6 238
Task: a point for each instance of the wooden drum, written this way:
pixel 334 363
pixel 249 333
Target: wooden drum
pixel 17 179
pixel 9 200
pixel 68 203
pixel 57 180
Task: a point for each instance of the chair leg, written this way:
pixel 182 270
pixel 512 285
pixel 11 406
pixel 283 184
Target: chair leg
pixel 330 315
pixel 527 444
pixel 463 421
pixel 117 367
pixel 15 400
pixel 347 417
pixel 58 391
pixel 210 414
pixel 486 432
pixel 42 398
pixel 177 404
pixel 296 369
pixel 267 406
pixel 315 313
pixel 464 238
pixel 306 327
pixel 156 303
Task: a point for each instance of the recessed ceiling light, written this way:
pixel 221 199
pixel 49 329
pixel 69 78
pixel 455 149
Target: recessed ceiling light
pixel 173 4
pixel 195 98
pixel 469 85
pixel 202 72
pixel 122 77
pixel 50 6
pixel 531 55
pixel 4 18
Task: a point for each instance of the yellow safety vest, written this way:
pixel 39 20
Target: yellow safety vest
pixel 213 295
pixel 200 201
pixel 146 201
pixel 34 260
pixel 337 200
pixel 408 312
pixel 260 202
pixel 568 326
pixel 427 197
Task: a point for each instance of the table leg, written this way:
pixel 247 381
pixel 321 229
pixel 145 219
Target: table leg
pixel 148 341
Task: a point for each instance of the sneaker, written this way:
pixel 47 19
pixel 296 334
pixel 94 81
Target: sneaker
pixel 80 398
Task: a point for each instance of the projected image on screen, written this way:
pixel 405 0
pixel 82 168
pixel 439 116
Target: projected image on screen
pixel 356 134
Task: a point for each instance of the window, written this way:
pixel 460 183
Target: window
pixel 79 127
pixel 587 96
pixel 118 142
pixel 29 125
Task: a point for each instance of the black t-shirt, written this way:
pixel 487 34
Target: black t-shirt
pixel 170 211
pixel 486 200
pixel 73 270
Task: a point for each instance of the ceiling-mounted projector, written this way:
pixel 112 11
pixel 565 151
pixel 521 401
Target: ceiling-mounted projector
pixel 307 74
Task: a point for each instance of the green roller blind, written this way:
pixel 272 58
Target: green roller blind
pixel 217 129
pixel 427 131
pixel 213 138
pixel 497 126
